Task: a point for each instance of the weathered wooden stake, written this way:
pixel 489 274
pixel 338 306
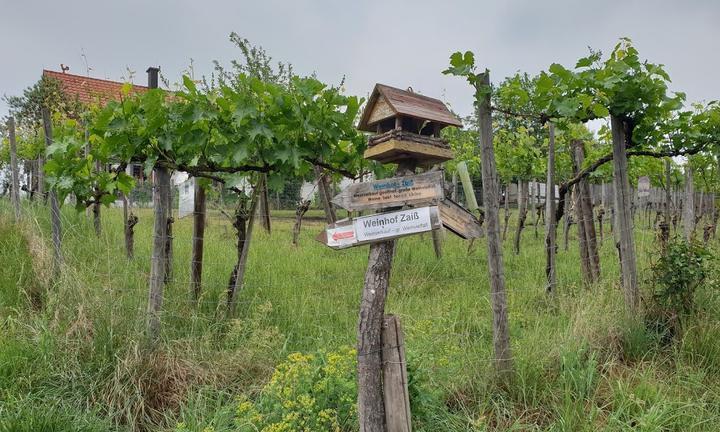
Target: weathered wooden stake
pixel 130 220
pixel 244 247
pixel 56 232
pixel 624 225
pixel 568 217
pixel 325 196
pixel 522 213
pixel 689 204
pixel 96 215
pixel 300 210
pixel 40 174
pixel 585 220
pixel 264 205
pixel 498 301
pixel 15 188
pixel 197 241
pixel 532 186
pixel 169 239
pixel 54 205
pixel 161 210
pixel 96 205
pixel 395 380
pixel 161 188
pixel 550 222
pixel 507 211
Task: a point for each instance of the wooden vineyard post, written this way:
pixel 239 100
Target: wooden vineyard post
pixel 623 215
pixel 395 381
pixel 585 220
pixel 300 210
pixel 15 191
pixel 531 205
pixel 130 220
pixel 264 205
pixel 507 210
pixel 169 236
pixel 161 180
pixel 689 204
pixel 244 251
pixel 537 208
pixel 498 301
pixel 522 213
pixel 96 205
pixel 39 172
pixel 550 222
pixel 324 194
pixel 601 211
pixel 568 217
pixel 197 241
pixel 54 205
pixel 161 210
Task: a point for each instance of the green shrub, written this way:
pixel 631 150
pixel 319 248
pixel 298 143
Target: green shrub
pixel 676 277
pixel 307 392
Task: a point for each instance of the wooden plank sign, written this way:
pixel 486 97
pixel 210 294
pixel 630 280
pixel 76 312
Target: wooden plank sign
pixel 380 227
pixel 458 220
pixel 421 189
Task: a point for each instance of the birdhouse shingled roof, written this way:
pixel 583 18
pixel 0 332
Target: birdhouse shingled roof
pixel 406 103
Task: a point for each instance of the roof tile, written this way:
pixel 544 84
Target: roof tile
pixel 90 90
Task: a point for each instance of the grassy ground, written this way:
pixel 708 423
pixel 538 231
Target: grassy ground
pixel 79 363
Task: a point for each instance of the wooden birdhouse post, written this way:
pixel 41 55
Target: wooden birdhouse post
pixel 407 127
pixel 407 133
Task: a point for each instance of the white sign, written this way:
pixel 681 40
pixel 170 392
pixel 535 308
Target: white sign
pixel 644 186
pixel 186 201
pixel 383 226
pixel 393 224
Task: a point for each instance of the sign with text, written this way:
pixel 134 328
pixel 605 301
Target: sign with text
pixel 380 227
pixel 421 189
pixel 458 220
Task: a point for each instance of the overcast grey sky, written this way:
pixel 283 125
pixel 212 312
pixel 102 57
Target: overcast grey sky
pixel 400 43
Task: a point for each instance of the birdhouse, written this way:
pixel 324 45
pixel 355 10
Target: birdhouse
pixel 406 126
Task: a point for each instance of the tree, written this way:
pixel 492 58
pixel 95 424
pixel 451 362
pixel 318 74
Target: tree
pixel 463 65
pixel 643 115
pixel 253 126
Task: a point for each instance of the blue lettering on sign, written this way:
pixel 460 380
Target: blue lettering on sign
pixel 394 184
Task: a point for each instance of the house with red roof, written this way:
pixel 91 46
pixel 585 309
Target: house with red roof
pixel 89 90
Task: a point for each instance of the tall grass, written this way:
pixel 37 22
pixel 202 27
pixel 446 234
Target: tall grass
pixel 580 362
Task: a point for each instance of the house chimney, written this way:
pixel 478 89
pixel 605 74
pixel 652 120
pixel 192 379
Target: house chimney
pixel 152 73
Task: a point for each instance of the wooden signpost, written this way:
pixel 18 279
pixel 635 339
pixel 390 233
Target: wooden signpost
pixel 407 132
pixel 420 189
